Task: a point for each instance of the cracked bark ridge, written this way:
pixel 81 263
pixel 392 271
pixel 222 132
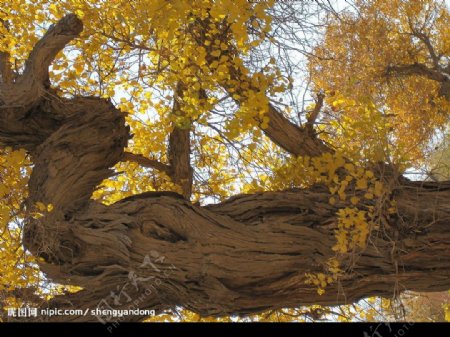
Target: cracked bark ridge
pixel 246 255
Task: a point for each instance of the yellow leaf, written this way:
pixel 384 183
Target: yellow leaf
pixel 216 53
pixel 368 196
pixel 41 206
pixel 378 188
pixel 361 184
pixel 79 67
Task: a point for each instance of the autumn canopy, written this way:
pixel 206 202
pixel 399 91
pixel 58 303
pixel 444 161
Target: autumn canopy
pixel 223 159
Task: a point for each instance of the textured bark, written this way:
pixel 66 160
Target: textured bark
pixel 180 148
pixel 245 255
pixel 147 162
pixel 5 68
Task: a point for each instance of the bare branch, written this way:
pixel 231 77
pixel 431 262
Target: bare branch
pixel 147 162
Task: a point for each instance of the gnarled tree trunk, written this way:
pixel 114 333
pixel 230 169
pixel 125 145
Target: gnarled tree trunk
pixel 245 255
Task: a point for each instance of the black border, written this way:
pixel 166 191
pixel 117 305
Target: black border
pixel 406 329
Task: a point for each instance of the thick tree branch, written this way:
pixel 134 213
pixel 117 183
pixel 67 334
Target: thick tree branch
pixel 246 255
pixel 45 51
pixel 33 83
pixel 6 73
pixel 294 139
pixel 441 75
pixel 427 42
pixel 147 162
pixel 180 148
pixel 289 136
pixel 417 69
pixel 70 147
pixel 250 253
pixel 315 112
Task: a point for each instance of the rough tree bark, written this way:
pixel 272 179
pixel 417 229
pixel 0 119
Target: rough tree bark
pixel 245 255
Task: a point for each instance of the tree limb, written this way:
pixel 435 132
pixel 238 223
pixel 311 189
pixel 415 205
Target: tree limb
pixel 426 41
pixel 315 112
pixel 33 83
pixel 45 51
pixel 6 73
pixel 417 69
pixel 248 254
pixel 441 76
pixel 291 137
pixel 180 148
pixel 294 139
pixel 147 162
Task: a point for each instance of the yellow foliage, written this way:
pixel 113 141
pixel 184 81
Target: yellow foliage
pixel 18 268
pixel 386 115
pixel 370 116
pixel 447 312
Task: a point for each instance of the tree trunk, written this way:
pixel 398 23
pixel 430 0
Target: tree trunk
pixel 158 251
